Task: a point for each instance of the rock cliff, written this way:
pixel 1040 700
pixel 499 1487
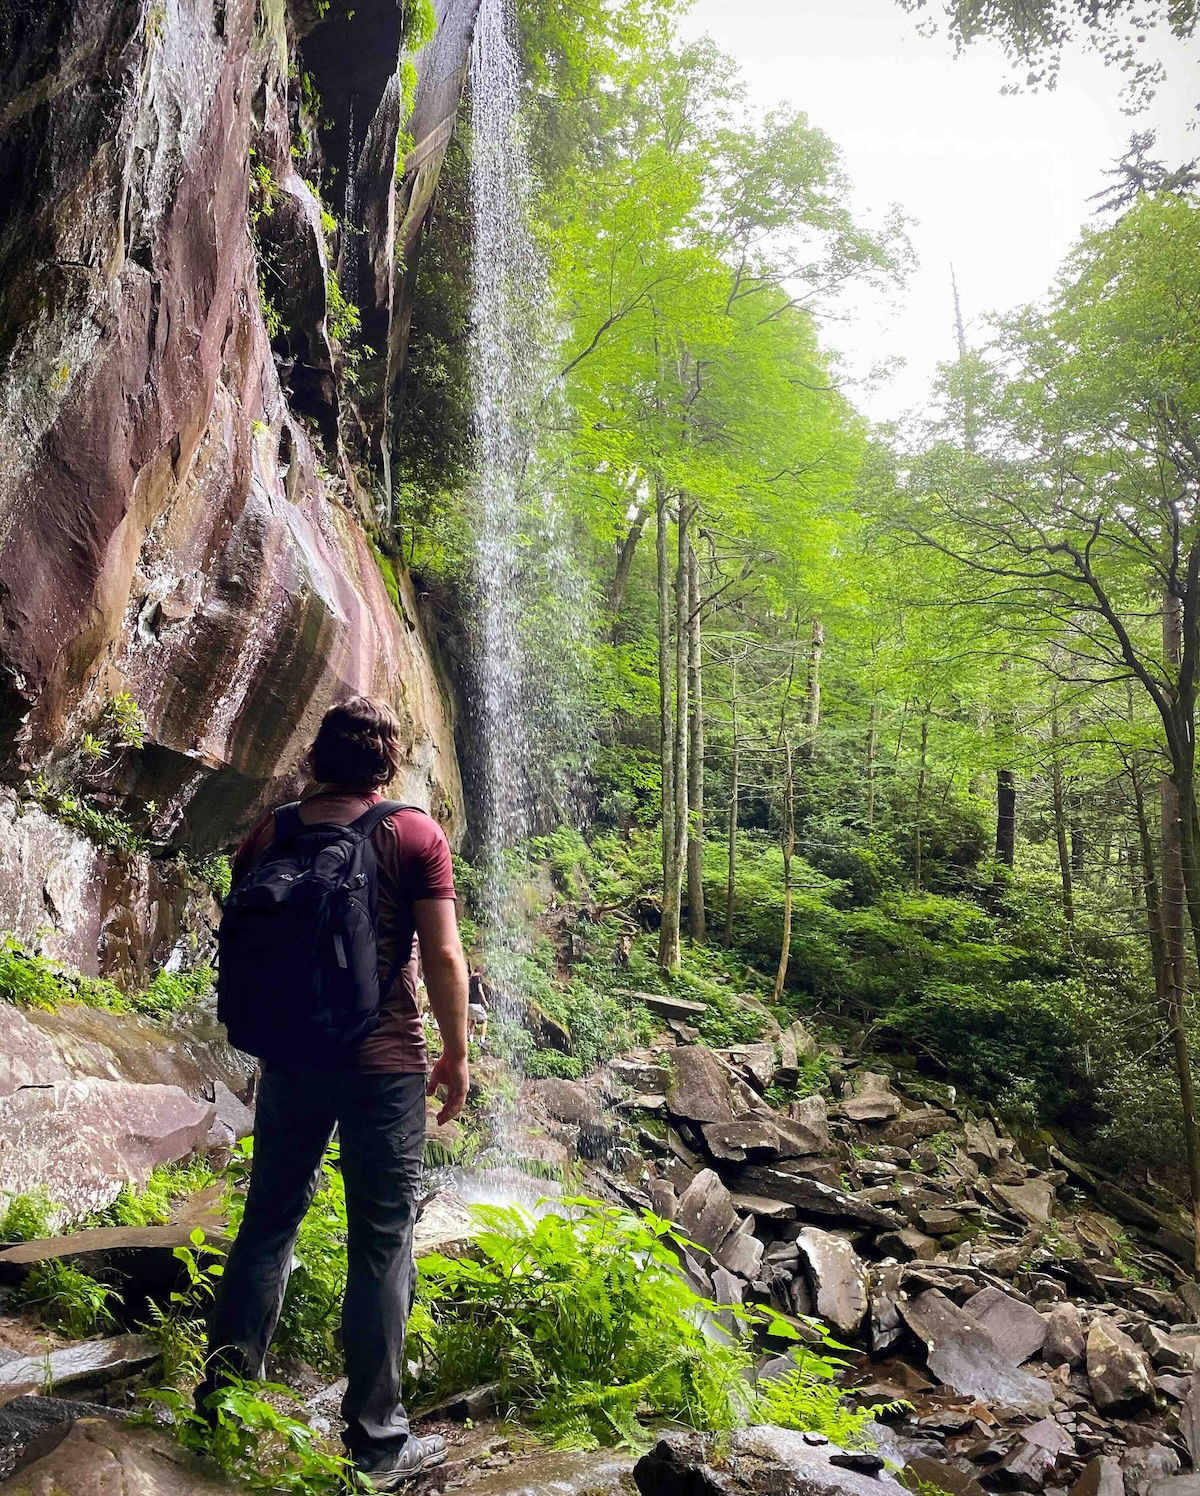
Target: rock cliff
pixel 206 225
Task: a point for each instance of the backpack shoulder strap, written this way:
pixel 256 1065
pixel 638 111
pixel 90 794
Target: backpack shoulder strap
pixel 287 821
pixel 370 819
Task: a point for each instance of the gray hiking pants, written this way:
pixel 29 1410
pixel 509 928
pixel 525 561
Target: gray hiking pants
pixel 380 1121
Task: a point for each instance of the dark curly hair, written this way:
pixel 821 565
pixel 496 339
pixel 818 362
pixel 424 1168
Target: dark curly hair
pixel 357 744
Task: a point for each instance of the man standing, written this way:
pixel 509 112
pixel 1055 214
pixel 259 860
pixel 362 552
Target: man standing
pixel 375 1098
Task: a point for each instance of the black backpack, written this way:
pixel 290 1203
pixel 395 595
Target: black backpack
pixel 297 961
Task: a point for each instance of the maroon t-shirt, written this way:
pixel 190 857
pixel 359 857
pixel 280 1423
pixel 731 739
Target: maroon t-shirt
pixel 413 857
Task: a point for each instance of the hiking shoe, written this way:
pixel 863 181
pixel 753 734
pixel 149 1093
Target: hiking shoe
pixel 418 1454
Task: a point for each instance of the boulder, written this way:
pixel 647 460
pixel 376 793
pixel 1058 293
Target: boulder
pixel 741 1252
pixel 1118 1371
pixel 841 1288
pixel 763 1136
pixel 1017 1328
pixel 445 1225
pixel 962 1354
pixel 1033 1458
pixel 543 1472
pixel 98 1456
pixel 871 1099
pixel 699 1089
pixel 140 1258
pixel 1033 1200
pixel 981 1143
pixel 1101 1477
pixel 671 1007
pixel 908 1245
pixel 706 1214
pixel 73 1126
pixel 758 1459
pixel 1066 1342
pixel 91 1363
pixel 44 1419
pixel 941 1476
pixel 813 1199
pixel 762 1208
pixel 1172 1352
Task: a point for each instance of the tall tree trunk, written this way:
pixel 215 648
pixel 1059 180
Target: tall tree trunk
pixel 789 849
pixel 695 843
pixel 812 694
pixel 1060 820
pixel 625 554
pixel 1006 817
pixel 1180 889
pixel 872 756
pixel 673 869
pixel 1078 841
pixel 919 829
pixel 735 756
pixel 666 717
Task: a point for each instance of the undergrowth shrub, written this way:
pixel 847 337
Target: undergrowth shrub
pixel 34 981
pixel 583 1322
pixel 27 1217
pixel 68 1299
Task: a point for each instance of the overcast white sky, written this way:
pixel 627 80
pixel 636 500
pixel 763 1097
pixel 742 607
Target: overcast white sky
pixel 998 185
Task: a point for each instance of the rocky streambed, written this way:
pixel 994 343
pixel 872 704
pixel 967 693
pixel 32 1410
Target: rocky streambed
pixel 1034 1325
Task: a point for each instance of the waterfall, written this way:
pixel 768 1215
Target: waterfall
pixel 508 285
pixel 521 560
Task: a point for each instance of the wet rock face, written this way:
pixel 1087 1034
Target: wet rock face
pixel 91 1100
pixel 169 525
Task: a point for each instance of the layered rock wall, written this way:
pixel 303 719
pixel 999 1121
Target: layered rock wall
pixel 189 464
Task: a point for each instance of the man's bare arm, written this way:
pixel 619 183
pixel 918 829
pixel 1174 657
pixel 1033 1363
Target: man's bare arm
pixel 445 969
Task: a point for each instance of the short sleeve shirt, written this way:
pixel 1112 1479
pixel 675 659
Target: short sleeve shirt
pixel 413 859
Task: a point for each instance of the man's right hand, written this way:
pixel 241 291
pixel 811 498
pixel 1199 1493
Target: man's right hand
pixel 452 1076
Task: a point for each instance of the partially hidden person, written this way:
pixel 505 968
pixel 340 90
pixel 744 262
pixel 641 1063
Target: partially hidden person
pixel 317 976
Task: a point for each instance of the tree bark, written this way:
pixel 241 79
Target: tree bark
pixel 735 754
pixel 1060 821
pixel 919 827
pixel 812 695
pixel 1181 887
pixel 1006 817
pixel 789 849
pixel 872 756
pixel 625 554
pixel 673 869
pixel 666 718
pixel 695 669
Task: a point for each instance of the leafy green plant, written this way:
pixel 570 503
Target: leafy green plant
pixel 808 1398
pixel 173 991
pixel 33 981
pixel 312 1306
pixel 107 828
pixel 217 873
pixel 151 1205
pixel 28 1216
pixel 253 1437
pixel 68 1299
pixel 583 1320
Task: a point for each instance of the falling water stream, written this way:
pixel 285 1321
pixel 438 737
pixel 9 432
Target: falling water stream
pixel 510 347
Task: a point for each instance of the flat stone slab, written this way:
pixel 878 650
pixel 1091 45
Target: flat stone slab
pixel 671 1007
pixel 763 1208
pixel 812 1198
pixel 962 1355
pixel 762 1458
pixel 1017 1328
pixel 93 1361
pixel 137 1252
pixel 705 1214
pixel 99 1456
pixel 871 1099
pixel 839 1279
pixel 1118 1370
pixel 699 1089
